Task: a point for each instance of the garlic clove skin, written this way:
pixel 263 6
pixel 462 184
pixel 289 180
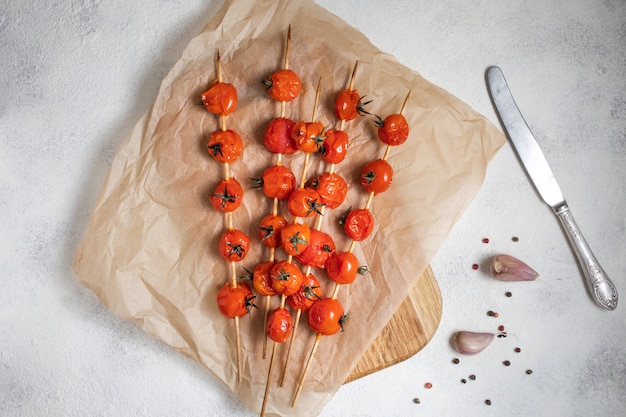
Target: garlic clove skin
pixel 508 268
pixel 471 343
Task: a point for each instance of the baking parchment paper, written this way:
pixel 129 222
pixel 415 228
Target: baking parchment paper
pixel 150 250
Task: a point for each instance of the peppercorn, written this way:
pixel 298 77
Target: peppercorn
pixel 428 385
pixel 475 267
pixel 506 363
pixel 486 240
pixel 529 371
pixel 488 402
pixel 472 377
pixel 517 350
pixel 515 239
pixel 455 361
pixel 508 294
pixel 416 400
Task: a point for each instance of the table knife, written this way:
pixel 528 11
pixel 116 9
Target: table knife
pixel 598 283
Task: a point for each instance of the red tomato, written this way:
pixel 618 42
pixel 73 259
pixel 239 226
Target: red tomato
pixel 234 245
pixel 304 202
pixel 269 230
pixel 286 278
pixel 225 145
pixel 235 302
pixel 332 189
pixel 320 248
pixel 283 85
pixel 333 149
pixel 376 176
pixel 308 136
pixel 227 196
pixel 306 295
pixel 394 130
pixel 348 105
pixel 261 278
pixel 326 316
pixel 279 325
pixel 342 267
pixel 295 238
pixel 359 224
pixel 278 182
pixel 277 136
pixel 220 98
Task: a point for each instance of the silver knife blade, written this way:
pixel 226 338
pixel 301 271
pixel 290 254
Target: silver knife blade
pixel 525 144
pixel 598 283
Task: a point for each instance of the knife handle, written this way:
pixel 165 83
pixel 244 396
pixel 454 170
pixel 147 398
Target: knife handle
pixel 598 283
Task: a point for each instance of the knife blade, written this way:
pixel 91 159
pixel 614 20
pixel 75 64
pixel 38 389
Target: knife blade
pixel 599 285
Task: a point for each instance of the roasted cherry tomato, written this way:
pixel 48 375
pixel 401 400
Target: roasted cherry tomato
pixel 326 316
pixel 283 85
pixel 308 293
pixel 348 105
pixel 220 98
pixel 225 145
pixel 235 302
pixel 376 176
pixel 234 245
pixel 321 247
pixel 277 136
pixel 359 224
pixel 295 237
pixel 394 130
pixel 333 149
pixel 278 182
pixel 279 325
pixel 261 278
pixel 269 230
pixel 342 267
pixel 308 136
pixel 227 196
pixel 304 202
pixel 286 278
pixel 332 189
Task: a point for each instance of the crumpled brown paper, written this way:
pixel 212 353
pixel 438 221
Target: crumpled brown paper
pixel 150 249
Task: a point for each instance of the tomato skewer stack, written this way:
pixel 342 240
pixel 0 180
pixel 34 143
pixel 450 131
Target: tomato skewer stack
pixel 225 146
pixel 280 277
pixel 326 316
pixel 331 189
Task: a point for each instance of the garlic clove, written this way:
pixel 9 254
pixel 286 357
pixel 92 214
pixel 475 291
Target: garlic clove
pixel 508 268
pixel 471 343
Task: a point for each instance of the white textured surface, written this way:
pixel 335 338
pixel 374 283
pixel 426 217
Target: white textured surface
pixel 75 77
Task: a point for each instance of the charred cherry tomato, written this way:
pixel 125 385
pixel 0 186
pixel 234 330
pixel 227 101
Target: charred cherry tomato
pixel 286 278
pixel 277 136
pixel 332 189
pixel 295 237
pixel 333 149
pixel 326 316
pixel 227 196
pixel 277 182
pixel 279 325
pixel 308 136
pixel 308 293
pixel 348 105
pixel 225 145
pixel 394 130
pixel 220 98
pixel 283 85
pixel 321 247
pixel 261 278
pixel 376 176
pixel 304 202
pixel 234 245
pixel 342 267
pixel 269 230
pixel 235 302
pixel 359 224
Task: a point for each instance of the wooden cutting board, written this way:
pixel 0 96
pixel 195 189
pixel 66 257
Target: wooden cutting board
pixel 409 329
